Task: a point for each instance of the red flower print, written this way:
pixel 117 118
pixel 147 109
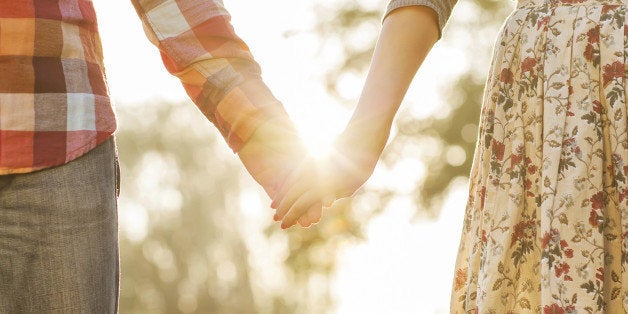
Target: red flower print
pixel 519 232
pixel 597 106
pixel 597 200
pixel 531 167
pixel 623 195
pixel 608 8
pixel 542 22
pixel 506 76
pixel 561 269
pixel 515 159
pixel 546 239
pixel 594 35
pixel 594 219
pixel 600 274
pixel 569 253
pixel 553 309
pixel 528 64
pixel 589 52
pixel 498 149
pixel 611 71
pixel 569 113
pixel 569 141
pixel 460 278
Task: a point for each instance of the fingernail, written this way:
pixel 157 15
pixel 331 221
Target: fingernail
pixel 276 217
pixel 273 205
pixel 284 227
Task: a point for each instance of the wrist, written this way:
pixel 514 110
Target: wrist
pixel 245 109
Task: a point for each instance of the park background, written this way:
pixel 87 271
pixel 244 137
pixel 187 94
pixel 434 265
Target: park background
pixel 197 234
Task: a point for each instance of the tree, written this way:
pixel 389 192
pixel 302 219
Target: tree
pixel 186 244
pixel 453 133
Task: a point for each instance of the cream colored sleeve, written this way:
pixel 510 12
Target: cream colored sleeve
pixel 442 7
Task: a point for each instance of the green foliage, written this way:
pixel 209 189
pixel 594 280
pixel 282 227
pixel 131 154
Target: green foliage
pixel 174 172
pixel 187 245
pixel 462 100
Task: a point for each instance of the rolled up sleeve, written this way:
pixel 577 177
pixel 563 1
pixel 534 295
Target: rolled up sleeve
pixel 442 8
pixel 199 46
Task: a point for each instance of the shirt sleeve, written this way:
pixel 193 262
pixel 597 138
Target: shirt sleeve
pixel 442 8
pixel 199 46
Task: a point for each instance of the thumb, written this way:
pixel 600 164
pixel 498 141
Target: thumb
pixel 328 201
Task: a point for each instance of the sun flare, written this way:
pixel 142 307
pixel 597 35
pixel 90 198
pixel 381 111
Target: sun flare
pixel 318 146
pixel 319 128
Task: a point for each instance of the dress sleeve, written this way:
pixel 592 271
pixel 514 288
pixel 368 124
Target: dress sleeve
pixel 199 46
pixel 442 7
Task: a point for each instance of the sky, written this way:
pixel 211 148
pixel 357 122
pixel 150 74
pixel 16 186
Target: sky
pixel 403 266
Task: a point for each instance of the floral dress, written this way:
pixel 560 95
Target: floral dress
pixel 546 225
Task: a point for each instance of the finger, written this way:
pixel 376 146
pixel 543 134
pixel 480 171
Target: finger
pixel 294 193
pixel 303 221
pixel 314 214
pixel 311 216
pixel 328 200
pixel 283 187
pixel 278 182
pixel 307 200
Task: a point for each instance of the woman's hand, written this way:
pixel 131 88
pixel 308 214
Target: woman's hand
pixel 315 184
pixel 407 35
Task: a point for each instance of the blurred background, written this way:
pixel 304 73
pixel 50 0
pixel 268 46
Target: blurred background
pixel 197 234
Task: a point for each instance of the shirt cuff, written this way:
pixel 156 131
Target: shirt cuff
pixel 243 109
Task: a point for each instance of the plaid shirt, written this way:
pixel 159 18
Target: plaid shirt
pixel 54 102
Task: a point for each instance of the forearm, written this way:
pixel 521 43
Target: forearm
pixel 406 37
pixel 199 46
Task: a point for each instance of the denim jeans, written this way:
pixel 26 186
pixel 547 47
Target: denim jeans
pixel 59 237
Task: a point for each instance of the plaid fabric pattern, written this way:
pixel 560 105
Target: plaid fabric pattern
pixel 53 97
pixel 54 103
pixel 199 46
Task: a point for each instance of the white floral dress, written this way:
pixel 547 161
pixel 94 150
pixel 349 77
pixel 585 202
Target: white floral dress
pixel 546 225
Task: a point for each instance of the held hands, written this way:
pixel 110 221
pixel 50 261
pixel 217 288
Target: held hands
pixel 397 56
pixel 316 184
pixel 272 153
pixel 301 186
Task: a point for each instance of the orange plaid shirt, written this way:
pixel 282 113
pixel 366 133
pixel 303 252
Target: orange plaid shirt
pixel 54 102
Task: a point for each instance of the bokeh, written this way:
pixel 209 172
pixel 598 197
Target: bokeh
pixel 197 235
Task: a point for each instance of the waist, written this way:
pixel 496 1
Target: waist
pixel 557 3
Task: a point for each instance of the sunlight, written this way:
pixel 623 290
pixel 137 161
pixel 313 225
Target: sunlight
pixel 318 125
pixel 380 271
pixel 317 142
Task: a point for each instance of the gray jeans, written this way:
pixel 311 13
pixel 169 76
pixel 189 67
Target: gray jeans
pixel 59 237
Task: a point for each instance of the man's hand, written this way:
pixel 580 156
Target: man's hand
pixel 272 153
pixel 316 184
